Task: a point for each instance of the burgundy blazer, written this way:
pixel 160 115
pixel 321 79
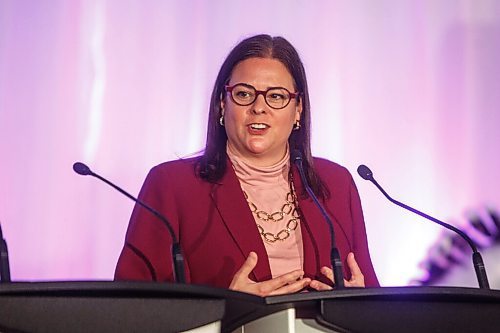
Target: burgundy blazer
pixel 217 231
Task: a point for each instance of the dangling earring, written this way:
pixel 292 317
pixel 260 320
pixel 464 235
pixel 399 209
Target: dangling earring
pixel 296 126
pixel 221 120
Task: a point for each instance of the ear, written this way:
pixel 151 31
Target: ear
pixel 222 104
pixel 298 109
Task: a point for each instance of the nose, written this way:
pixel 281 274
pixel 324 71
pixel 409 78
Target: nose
pixel 259 105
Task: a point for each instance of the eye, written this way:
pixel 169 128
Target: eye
pixel 276 96
pixel 242 94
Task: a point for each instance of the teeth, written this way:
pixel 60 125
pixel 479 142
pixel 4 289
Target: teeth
pixel 258 126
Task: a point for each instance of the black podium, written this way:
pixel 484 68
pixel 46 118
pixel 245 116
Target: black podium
pixel 109 306
pixel 401 309
pixel 163 307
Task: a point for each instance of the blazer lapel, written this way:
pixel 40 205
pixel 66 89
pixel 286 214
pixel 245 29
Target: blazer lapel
pixel 236 215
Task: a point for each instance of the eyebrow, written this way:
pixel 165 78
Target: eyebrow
pixel 272 87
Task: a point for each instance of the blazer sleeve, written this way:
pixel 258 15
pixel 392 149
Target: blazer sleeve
pixel 360 246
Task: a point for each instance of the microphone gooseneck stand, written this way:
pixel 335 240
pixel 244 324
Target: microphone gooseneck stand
pixel 477 259
pixel 338 273
pixel 4 260
pixel 177 257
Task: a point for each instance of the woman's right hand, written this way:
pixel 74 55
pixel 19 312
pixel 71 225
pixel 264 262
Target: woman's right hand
pixel 285 284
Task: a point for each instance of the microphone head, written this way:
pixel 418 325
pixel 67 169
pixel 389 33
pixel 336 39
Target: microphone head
pixel 82 169
pixel 296 155
pixel 365 172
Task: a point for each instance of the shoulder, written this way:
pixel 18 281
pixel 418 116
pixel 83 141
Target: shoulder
pixel 333 175
pixel 181 169
pixel 326 168
pixel 177 165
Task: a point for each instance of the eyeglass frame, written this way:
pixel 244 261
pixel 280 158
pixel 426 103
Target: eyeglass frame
pixel 229 89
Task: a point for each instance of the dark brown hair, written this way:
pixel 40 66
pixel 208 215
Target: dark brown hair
pixel 212 164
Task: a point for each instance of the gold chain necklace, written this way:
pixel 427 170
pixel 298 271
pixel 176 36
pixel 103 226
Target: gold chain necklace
pixel 287 209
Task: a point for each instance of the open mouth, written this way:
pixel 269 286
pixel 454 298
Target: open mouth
pixel 258 126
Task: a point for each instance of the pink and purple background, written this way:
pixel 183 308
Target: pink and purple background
pixel 410 88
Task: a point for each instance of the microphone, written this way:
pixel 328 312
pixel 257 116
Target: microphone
pixel 178 259
pixel 338 273
pixel 4 259
pixel 477 259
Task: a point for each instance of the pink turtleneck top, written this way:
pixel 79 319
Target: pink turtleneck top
pixel 267 188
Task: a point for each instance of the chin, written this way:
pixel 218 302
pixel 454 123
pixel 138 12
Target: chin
pixel 257 152
pixel 258 149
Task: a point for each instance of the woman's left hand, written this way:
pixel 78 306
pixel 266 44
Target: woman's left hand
pixel 357 278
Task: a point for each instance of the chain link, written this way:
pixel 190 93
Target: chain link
pixel 287 209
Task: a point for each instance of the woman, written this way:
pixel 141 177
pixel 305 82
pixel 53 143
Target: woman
pixel 240 210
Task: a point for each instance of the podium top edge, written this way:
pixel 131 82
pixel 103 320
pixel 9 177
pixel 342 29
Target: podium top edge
pixel 163 289
pixel 124 288
pixel 411 292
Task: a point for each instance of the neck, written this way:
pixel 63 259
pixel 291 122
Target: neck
pixel 261 176
pixel 260 160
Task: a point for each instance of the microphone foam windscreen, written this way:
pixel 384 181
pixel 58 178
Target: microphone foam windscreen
pixel 365 172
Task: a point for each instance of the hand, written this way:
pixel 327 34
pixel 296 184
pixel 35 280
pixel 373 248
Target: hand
pixel 287 283
pixel 357 278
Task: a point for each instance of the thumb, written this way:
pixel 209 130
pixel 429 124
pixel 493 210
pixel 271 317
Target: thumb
pixel 248 265
pixel 353 265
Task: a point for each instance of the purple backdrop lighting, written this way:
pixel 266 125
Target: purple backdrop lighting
pixel 408 87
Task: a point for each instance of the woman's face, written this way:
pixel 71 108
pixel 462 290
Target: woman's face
pixel 256 131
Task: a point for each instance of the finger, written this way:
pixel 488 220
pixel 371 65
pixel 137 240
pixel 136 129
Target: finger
pixel 287 279
pixel 247 266
pixel 355 283
pixel 357 277
pixel 319 286
pixel 292 287
pixel 353 265
pixel 327 271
